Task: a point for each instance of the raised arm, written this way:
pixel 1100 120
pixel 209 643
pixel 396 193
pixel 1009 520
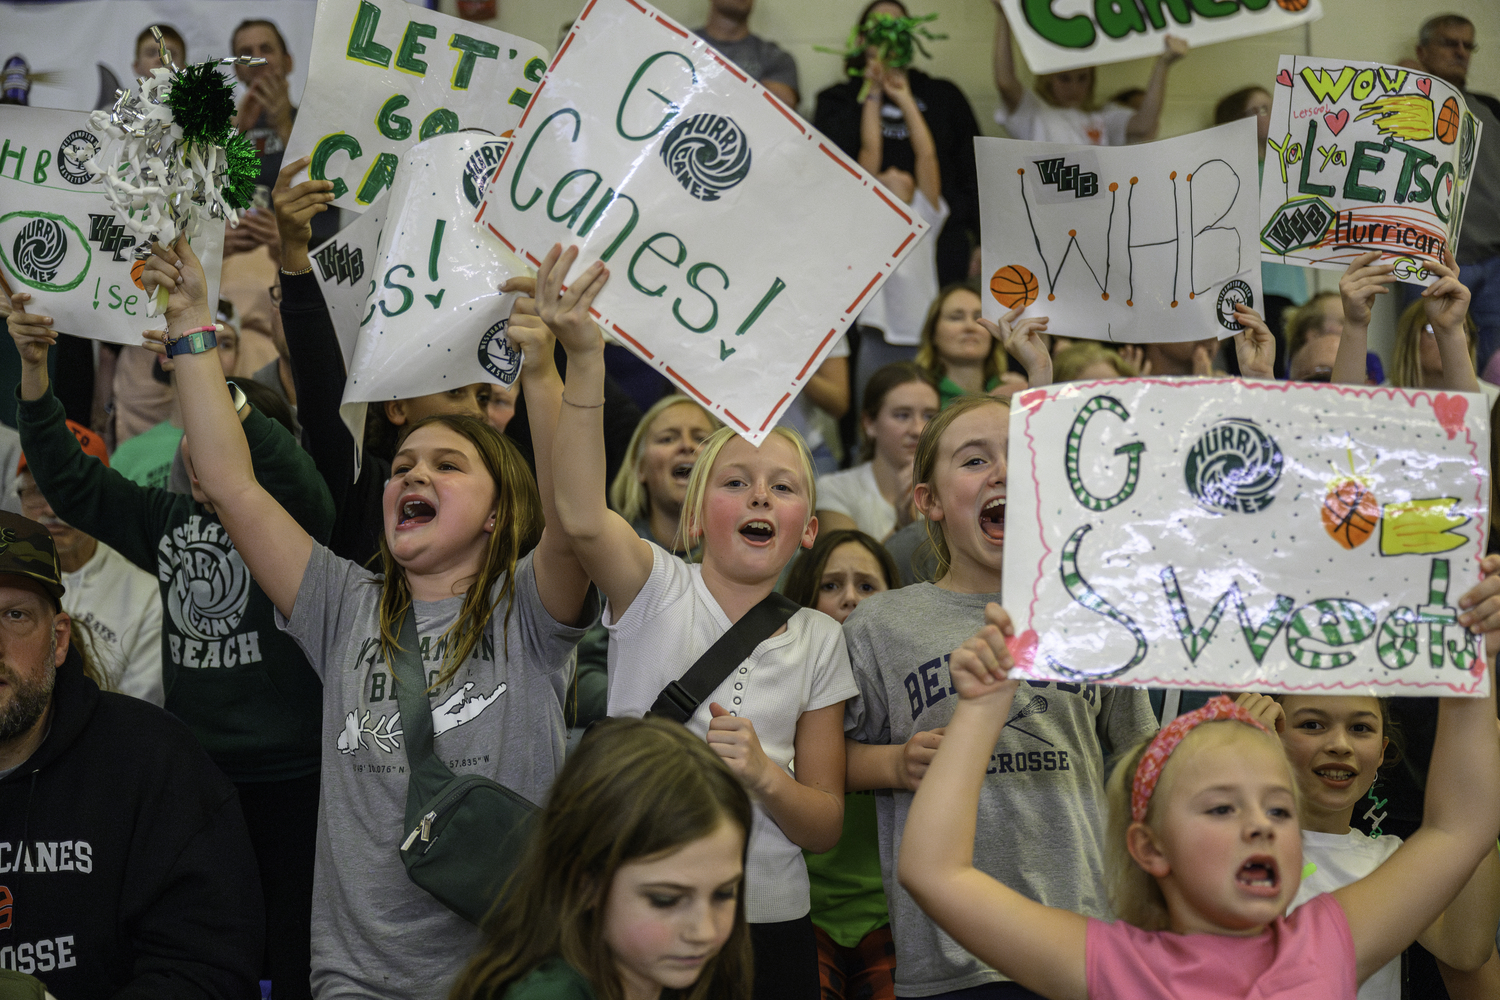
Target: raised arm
pixel 1362 281
pixel 1446 302
pixel 1004 62
pixel 560 579
pixel 924 149
pixel 1146 122
pixel 613 555
pixel 273 545
pixel 1254 345
pixel 1039 947
pixel 1022 340
pixel 1464 936
pixel 1461 812
pixel 871 138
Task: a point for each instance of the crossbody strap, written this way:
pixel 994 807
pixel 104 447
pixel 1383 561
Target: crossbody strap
pixel 427 773
pixel 681 698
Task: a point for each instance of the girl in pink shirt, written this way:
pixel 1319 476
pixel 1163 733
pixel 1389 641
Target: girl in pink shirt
pixel 1205 851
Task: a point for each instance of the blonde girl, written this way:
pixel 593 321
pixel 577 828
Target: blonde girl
pixel 751 509
pixel 631 885
pixel 1204 850
pixel 1445 303
pixel 1042 826
pixel 653 477
pixel 496 624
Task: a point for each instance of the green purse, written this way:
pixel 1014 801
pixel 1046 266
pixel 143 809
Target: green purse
pixel 465 833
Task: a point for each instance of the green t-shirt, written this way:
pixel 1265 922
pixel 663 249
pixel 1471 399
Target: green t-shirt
pixel 848 897
pixel 146 459
pixel 948 390
pixel 554 979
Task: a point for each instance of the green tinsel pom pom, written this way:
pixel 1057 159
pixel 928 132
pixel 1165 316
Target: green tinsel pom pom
pixel 244 170
pixel 202 103
pixel 895 40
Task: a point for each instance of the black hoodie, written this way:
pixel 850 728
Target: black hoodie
pixel 125 868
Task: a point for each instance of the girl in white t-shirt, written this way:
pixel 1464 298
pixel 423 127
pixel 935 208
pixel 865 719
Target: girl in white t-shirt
pixel 752 509
pixel 1057 109
pixel 875 496
pixel 1337 745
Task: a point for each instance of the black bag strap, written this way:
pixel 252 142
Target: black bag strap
pixel 428 774
pixel 681 698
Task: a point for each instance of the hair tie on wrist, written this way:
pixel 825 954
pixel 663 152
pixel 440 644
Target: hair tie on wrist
pixel 582 406
pixel 1148 772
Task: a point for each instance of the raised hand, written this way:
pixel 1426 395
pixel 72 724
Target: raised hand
pixel 1254 345
pixel 1266 710
pixel 567 311
pixel 1022 339
pixel 733 738
pixel 1446 300
pixel 1362 281
pixel 32 332
pixel 177 269
pixel 1174 49
pixel 1480 612
pixel 295 208
pixel 980 668
pixel 1203 359
pixel 1135 355
pixel 527 331
pixel 917 754
pixel 255 228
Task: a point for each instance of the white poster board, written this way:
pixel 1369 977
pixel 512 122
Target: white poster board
pixel 60 240
pixel 1130 244
pixel 1067 34
pixel 1220 534
pixel 386 75
pixel 1361 157
pixel 741 242
pixel 426 312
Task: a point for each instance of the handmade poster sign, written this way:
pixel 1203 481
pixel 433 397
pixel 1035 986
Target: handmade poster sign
pixel 386 75
pixel 1132 244
pixel 1362 157
pixel 1066 34
pixel 60 239
pixel 714 205
pixel 417 308
pixel 1244 535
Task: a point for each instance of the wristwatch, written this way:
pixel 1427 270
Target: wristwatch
pixel 193 342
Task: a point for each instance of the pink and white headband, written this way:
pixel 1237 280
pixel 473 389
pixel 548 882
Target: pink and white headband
pixel 1149 771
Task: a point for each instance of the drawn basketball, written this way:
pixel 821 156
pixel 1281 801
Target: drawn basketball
pixel 1447 122
pixel 135 273
pixel 1013 285
pixel 1292 5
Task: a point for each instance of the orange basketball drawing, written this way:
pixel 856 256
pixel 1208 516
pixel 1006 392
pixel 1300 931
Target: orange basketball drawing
pixel 1013 285
pixel 1447 122
pixel 1292 5
pixel 135 273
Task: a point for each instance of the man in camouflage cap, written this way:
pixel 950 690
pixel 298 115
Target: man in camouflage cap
pixel 124 861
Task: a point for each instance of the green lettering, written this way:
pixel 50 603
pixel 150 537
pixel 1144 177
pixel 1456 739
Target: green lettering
pixel 647 245
pixel 6 154
pixel 372 305
pixel 406 296
pixel 672 109
pixel 569 217
pixel 1076 32
pixel 1360 162
pixel 1215 8
pixel 411 47
pixel 1179 8
pixel 1118 18
pixel 377 178
pixel 473 49
pixel 520 98
pixel 610 197
pixel 440 122
pixel 692 280
pixel 436 248
pixel 1303 186
pixel 525 155
pixel 130 300
pixel 1255 4
pixel 1443 170
pixel 323 150
pixel 39 172
pixel 534 69
pixel 362 45
pixel 1412 162
pixel 390 124
pixel 776 287
pixel 1072 464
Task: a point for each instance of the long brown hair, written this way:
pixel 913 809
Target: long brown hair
pixel 518 525
pixel 806 574
pixel 886 378
pixel 633 789
pixel 924 468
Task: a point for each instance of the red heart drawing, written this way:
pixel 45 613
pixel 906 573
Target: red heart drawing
pixel 1424 84
pixel 1284 78
pixel 1337 122
pixel 1023 647
pixel 1450 412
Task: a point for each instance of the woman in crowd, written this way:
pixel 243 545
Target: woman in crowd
pixel 650 486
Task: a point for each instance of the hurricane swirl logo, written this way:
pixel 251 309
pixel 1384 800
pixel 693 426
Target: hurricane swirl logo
pixel 1234 467
pixel 480 168
pixel 209 591
pixel 708 154
pixel 39 249
pixel 72 156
